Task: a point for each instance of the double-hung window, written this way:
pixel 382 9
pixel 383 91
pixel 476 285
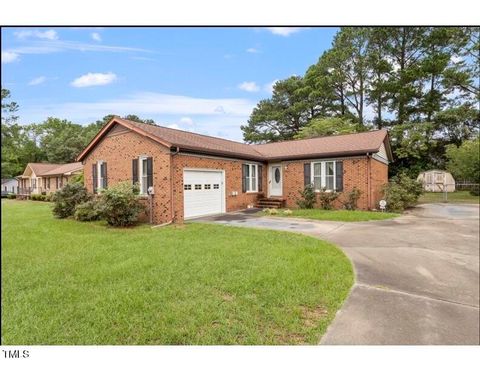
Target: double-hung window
pixel 100 175
pixel 143 175
pixel 251 179
pixel 323 175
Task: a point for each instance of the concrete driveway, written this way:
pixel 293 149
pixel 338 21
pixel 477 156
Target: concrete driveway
pixel 417 276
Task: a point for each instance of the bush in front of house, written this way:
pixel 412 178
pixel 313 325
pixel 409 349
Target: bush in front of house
pixel 87 211
pixel 351 199
pixel 326 199
pixel 402 192
pixel 38 197
pixel 307 197
pixel 475 192
pixel 11 196
pixel 119 205
pixel 66 199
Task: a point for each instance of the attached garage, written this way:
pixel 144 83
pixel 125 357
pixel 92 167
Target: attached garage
pixel 203 192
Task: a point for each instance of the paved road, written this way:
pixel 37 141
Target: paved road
pixel 417 276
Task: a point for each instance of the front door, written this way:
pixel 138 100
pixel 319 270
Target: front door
pixel 275 180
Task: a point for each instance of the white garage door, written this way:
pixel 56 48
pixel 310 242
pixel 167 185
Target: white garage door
pixel 203 193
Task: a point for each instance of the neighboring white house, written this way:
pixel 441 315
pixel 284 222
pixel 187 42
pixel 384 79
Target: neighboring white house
pixel 9 185
pixel 437 181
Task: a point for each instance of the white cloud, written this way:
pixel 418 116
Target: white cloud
pixel 252 50
pixel 94 79
pixel 47 35
pixel 269 86
pixel 186 121
pixel 285 31
pixel 9 57
pixel 96 36
pixel 38 80
pixel 250 86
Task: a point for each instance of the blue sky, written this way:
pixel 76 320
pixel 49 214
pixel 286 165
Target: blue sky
pixel 205 80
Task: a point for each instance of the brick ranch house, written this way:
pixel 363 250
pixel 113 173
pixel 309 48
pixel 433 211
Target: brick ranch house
pixel 194 175
pixel 38 178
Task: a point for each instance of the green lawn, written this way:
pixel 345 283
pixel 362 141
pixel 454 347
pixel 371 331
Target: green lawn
pixel 66 282
pixel 460 197
pixel 335 215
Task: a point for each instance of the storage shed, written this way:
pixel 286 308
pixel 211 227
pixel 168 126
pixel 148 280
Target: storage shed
pixel 437 181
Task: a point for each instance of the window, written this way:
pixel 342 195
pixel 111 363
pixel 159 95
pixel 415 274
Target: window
pixel 330 175
pixel 323 175
pixel 187 187
pixel 34 182
pixel 216 186
pixel 198 186
pixel 100 175
pixel 317 175
pixel 206 186
pixel 143 173
pixel 251 183
pixel 143 176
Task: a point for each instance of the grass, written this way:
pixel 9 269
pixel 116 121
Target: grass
pixel 66 282
pixel 335 215
pixel 459 197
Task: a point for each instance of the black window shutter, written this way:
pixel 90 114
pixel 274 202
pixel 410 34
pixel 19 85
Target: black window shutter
pixel 135 170
pixel 149 172
pixel 244 178
pixel 307 179
pixel 339 176
pixel 94 177
pixel 260 178
pixel 104 175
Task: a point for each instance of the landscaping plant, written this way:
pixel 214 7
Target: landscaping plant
pixel 119 205
pixel 402 192
pixel 87 211
pixel 352 197
pixel 66 199
pixel 326 198
pixel 308 197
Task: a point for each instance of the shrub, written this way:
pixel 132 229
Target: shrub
pixel 119 205
pixel 352 197
pixel 475 192
pixel 38 197
pixel 11 196
pixel 308 197
pixel 77 178
pixel 67 198
pixel 326 199
pixel 402 192
pixel 287 212
pixel 87 211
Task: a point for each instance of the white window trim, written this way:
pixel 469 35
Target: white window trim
pixel 99 175
pixel 323 178
pixel 140 173
pixel 250 179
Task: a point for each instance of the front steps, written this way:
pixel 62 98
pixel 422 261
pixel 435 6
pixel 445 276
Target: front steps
pixel 270 203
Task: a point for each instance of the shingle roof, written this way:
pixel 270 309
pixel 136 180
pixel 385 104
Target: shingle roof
pixel 336 145
pixel 65 169
pixel 43 169
pixel 340 145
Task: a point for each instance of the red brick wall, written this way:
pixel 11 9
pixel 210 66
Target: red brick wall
pixel 355 174
pixel 379 176
pixel 118 150
pixel 233 179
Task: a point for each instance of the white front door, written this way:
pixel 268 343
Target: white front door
pixel 203 193
pixel 275 180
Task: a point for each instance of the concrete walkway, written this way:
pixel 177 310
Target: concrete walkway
pixel 417 276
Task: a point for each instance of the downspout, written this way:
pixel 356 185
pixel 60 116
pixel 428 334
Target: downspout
pixel 369 183
pixel 172 184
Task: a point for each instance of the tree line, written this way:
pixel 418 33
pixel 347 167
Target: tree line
pixel 53 140
pixel 420 83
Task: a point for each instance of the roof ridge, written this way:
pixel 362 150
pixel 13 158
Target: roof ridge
pixel 320 136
